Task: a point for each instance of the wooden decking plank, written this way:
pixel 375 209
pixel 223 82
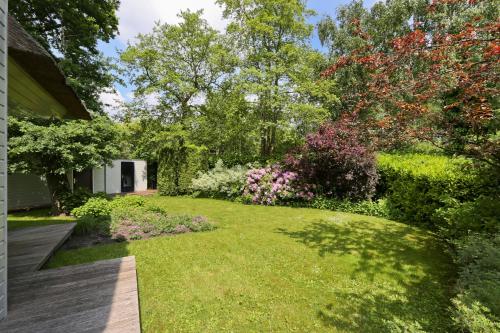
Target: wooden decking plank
pixel 97 297
pixel 30 248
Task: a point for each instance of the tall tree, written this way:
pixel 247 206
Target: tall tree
pixel 439 85
pixel 276 70
pixel 51 147
pixel 179 64
pixel 71 30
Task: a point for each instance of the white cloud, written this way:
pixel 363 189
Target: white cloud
pixel 140 16
pixel 113 101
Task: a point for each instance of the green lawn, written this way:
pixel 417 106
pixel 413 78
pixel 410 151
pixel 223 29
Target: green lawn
pixel 35 218
pixel 270 269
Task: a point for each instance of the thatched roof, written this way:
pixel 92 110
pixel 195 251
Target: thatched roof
pixel 42 67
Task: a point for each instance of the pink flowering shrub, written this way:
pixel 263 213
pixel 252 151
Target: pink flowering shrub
pixel 273 185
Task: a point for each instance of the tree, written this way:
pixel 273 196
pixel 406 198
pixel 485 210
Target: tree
pixel 355 27
pixel 277 70
pixel 179 64
pixel 51 148
pixel 439 85
pixel 71 30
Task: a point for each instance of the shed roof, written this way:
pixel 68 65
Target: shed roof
pixel 42 67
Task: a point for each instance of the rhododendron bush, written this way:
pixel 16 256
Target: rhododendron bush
pixel 272 185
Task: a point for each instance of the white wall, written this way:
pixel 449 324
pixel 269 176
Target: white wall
pixel 98 180
pixel 141 176
pixel 3 159
pixel 113 177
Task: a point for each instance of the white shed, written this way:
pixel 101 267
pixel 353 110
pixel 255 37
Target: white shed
pixel 120 177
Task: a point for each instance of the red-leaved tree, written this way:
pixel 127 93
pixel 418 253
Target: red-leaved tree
pixel 440 85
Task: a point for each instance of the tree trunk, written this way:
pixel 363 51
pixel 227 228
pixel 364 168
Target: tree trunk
pixel 58 185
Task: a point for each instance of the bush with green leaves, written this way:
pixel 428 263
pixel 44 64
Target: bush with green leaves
pixel 102 206
pixel 366 207
pixel 417 185
pixel 88 225
pixel 179 163
pixel 78 197
pixel 95 207
pixel 462 218
pixel 220 182
pixel 476 308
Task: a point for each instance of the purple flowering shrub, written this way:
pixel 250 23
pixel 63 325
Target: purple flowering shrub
pixel 336 159
pixel 272 185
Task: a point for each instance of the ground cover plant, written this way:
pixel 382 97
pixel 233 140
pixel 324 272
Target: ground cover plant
pixel 285 269
pixel 129 218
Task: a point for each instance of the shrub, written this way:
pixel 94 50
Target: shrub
pixel 77 198
pixel 220 182
pixel 272 185
pixel 477 306
pixel 462 218
pixel 87 225
pixel 336 159
pixel 179 163
pixel 145 222
pixel 128 201
pixel 417 185
pixel 366 207
pixel 95 207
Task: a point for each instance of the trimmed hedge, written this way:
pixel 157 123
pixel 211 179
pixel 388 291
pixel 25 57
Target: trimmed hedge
pixel 179 164
pixel 417 185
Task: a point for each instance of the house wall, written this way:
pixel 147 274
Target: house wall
pixel 27 191
pixel 113 177
pixel 3 159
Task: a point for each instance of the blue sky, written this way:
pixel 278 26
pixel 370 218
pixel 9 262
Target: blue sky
pixel 139 17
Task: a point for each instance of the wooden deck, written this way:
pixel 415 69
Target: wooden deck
pixel 97 297
pixel 30 248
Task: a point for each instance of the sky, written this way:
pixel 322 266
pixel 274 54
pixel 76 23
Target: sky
pixel 140 16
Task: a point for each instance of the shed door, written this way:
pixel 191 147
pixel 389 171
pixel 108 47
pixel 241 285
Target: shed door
pixel 128 178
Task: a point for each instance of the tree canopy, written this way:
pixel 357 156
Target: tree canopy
pixel 51 148
pixel 71 30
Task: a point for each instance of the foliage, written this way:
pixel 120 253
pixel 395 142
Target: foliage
pixel 278 68
pixel 220 182
pixel 95 207
pixel 72 29
pixel 336 159
pixel 71 200
pixel 477 305
pixel 144 222
pixel 271 261
pixel 50 148
pixel 179 164
pixel 102 206
pixel 274 185
pixel 417 185
pixel 366 207
pixel 157 66
pixel 438 82
pixel 89 224
pixel 459 219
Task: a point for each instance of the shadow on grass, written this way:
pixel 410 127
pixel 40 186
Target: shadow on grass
pixel 406 269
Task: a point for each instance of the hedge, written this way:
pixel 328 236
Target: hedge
pixel 417 185
pixel 179 163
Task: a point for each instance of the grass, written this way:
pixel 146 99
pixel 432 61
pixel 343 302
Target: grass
pixel 284 269
pixel 35 218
